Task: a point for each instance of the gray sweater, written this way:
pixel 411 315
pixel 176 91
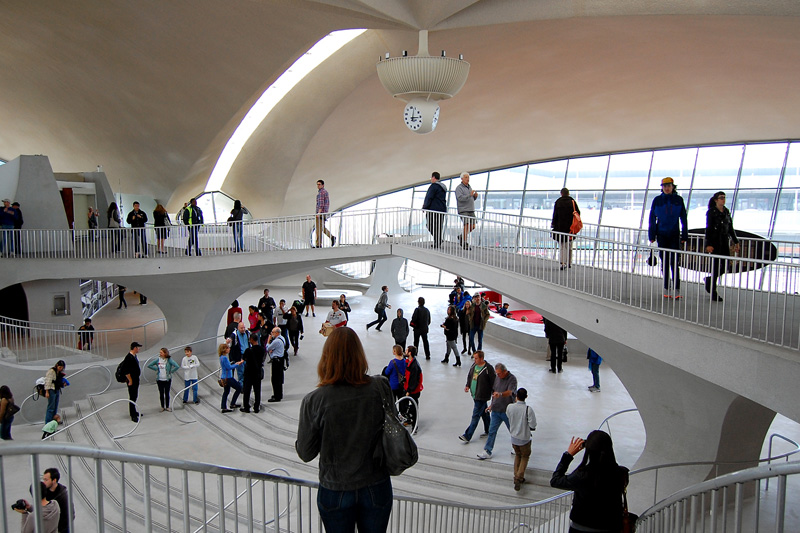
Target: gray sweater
pixel 464 200
pixel 343 425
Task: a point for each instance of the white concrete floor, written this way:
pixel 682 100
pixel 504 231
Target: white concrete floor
pixel 563 405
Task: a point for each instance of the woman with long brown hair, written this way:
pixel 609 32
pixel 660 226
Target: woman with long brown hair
pixel 342 422
pixel 162 223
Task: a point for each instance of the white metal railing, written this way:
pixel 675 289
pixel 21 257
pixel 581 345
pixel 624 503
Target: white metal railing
pixel 175 397
pixel 760 296
pixel 733 502
pixel 41 342
pixel 96 412
pixel 271 502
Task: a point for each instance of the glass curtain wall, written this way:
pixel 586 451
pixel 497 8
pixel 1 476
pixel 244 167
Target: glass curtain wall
pixel 762 182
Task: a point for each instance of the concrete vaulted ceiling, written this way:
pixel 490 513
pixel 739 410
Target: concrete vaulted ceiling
pixel 152 90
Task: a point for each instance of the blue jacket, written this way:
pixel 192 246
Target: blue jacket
pixel 593 357
pixel 395 369
pixel 436 198
pixel 666 212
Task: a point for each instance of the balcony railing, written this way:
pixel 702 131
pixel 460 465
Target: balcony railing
pixel 759 291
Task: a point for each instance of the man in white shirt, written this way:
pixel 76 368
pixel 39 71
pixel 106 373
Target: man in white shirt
pixel 521 421
pixel 336 316
pixel 189 365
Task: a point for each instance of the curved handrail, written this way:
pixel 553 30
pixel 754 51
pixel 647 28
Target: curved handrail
pixel 415 404
pixel 236 498
pixel 175 414
pixel 72 375
pixel 612 415
pixel 756 473
pixel 96 411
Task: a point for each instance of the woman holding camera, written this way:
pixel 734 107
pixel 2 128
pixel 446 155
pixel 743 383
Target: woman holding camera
pixel 598 484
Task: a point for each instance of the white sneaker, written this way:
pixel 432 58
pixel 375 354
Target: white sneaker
pixel 594 389
pixel 485 455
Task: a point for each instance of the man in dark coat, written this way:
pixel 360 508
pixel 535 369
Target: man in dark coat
pixel 668 227
pixel 563 211
pixel 556 338
pixel 420 321
pixel 132 372
pixel 137 220
pixel 254 357
pixel 436 205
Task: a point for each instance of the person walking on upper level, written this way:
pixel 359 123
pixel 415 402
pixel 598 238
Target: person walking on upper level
pixel 521 421
pixel 18 222
pixel 137 219
pixel 435 204
pixel 193 218
pixel 162 223
pixel 563 210
pixel 114 223
pixel 420 324
pixel 323 206
pixel 465 202
pixel 121 294
pixel 480 380
pixel 309 291
pixel 235 222
pixel 380 309
pixel 86 335
pixel 7 224
pixel 503 391
pixel 668 227
pixel 719 233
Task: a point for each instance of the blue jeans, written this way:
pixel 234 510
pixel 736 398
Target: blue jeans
pixel 381 319
pixel 472 333
pixel 496 419
pixel 52 405
pixel 368 508
pixel 237 389
pixel 238 241
pixel 240 374
pixel 595 369
pixel 478 413
pixel 5 429
pixel 193 383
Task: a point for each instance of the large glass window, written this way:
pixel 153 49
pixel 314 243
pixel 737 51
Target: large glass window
pixel 587 173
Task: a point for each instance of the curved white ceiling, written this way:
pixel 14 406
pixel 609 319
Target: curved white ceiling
pixel 152 90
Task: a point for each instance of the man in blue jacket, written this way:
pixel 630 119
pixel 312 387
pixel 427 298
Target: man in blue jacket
pixel 436 205
pixel 668 227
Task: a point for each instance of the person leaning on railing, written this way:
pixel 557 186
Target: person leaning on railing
pixel 342 422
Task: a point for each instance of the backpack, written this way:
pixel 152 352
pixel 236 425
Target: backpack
pixel 577 224
pixel 120 374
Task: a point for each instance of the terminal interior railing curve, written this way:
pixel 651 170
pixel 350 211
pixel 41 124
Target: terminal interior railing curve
pixel 758 290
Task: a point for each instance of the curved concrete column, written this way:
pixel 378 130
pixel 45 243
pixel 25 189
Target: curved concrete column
pixel 386 273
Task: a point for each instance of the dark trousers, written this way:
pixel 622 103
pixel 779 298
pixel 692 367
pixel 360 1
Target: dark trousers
pixel 294 338
pixel 163 392
pixel 670 261
pixel 133 395
pixel 140 236
pixel 424 337
pixel 367 508
pixel 122 300
pixel 556 355
pixel 231 383
pixel 251 383
pixel 401 342
pixel 435 226
pixel 381 319
pixel 410 410
pixel 719 267
pixel 277 378
pixel 193 240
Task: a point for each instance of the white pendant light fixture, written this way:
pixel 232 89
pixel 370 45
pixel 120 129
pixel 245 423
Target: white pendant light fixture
pixel 422 81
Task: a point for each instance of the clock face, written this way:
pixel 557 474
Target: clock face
pixel 412 117
pixel 435 118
